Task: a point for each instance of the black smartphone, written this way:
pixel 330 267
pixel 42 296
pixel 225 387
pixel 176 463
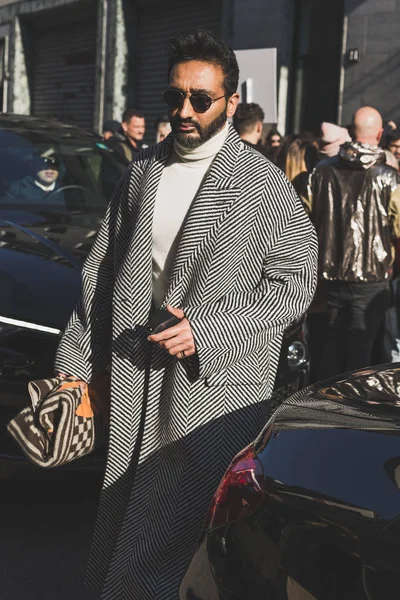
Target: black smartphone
pixel 160 321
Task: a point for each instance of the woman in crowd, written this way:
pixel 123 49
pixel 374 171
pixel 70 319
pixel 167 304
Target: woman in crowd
pixel 297 157
pixel 272 144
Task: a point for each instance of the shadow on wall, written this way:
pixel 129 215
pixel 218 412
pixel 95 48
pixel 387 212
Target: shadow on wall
pixel 388 70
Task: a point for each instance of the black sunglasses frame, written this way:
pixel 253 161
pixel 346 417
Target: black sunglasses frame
pixel 46 162
pixel 209 101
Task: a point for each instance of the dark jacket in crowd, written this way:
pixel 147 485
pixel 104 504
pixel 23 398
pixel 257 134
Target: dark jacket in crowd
pixel 120 144
pixel 25 191
pixel 355 206
pixel 261 149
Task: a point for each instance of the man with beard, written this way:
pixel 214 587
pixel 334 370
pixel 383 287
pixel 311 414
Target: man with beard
pixel 207 227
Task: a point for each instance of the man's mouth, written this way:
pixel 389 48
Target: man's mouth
pixel 183 126
pixel 187 127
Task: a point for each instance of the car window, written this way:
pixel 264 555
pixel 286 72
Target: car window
pixel 41 171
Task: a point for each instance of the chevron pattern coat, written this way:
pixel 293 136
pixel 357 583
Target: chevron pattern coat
pixel 245 268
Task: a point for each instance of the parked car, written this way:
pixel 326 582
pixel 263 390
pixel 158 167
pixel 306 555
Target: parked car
pixel 44 240
pixel 311 509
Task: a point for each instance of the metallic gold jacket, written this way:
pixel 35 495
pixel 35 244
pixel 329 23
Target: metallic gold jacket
pixel 354 203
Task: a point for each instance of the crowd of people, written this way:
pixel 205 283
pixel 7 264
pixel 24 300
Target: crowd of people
pixel 347 179
pixel 126 137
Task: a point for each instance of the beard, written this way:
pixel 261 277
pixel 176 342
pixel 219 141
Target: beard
pixel 188 140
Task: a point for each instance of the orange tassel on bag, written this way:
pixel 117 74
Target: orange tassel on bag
pixel 84 409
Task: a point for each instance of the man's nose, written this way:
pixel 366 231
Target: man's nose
pixel 186 111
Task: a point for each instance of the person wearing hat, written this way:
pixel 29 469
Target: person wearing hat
pixel 354 200
pixel 332 137
pixel 41 187
pixel 110 128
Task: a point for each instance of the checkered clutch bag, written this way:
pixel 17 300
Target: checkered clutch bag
pixel 61 424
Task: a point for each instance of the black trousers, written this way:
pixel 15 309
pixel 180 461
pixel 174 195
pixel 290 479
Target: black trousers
pixel 356 312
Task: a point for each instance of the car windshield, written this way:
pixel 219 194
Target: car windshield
pixel 56 171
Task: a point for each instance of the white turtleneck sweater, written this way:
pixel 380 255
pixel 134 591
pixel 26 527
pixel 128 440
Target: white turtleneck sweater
pixel 179 184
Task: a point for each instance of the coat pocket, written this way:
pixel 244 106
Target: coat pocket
pixel 245 372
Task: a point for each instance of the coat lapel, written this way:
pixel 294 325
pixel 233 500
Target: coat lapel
pixel 141 250
pixel 207 212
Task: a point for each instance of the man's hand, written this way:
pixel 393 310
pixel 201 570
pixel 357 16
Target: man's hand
pixel 177 340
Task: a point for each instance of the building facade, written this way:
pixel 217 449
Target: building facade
pixel 86 60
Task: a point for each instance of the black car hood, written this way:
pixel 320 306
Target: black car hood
pixel 366 399
pixel 41 255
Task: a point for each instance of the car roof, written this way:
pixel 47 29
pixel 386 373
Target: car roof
pixel 48 127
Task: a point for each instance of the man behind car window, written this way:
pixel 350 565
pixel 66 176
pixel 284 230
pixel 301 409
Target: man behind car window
pixel 38 188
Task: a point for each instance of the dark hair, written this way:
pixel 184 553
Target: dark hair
pixel 391 137
pixel 207 47
pixel 247 116
pixel 111 125
pixel 129 113
pixel 272 133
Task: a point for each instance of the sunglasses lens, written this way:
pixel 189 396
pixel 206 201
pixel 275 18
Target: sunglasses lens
pixel 200 102
pixel 173 98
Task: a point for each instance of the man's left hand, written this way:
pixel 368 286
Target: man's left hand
pixel 177 340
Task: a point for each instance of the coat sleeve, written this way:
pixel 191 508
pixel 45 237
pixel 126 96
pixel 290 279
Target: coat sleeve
pixel 227 331
pixel 85 348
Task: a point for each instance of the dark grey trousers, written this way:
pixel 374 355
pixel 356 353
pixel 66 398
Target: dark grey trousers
pixel 356 313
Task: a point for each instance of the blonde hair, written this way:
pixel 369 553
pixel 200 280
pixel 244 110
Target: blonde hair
pixel 295 159
pixel 292 156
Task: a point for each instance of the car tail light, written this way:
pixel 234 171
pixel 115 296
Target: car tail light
pixel 240 492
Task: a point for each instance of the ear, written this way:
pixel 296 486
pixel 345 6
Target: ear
pixel 124 126
pixel 259 127
pixel 232 105
pixel 379 137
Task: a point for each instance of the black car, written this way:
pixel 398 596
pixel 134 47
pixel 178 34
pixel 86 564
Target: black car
pixel 55 183
pixel 311 509
pixel 44 238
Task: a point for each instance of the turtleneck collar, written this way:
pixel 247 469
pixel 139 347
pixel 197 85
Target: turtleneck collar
pixel 206 151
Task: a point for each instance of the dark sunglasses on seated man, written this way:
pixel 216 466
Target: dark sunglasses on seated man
pixel 200 102
pixel 47 162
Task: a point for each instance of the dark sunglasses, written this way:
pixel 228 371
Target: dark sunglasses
pixel 46 162
pixel 200 102
pixel 52 162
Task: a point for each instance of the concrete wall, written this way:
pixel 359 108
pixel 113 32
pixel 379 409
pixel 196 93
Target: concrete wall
pixel 251 24
pixel 260 24
pixel 246 24
pixel 11 15
pixel 373 27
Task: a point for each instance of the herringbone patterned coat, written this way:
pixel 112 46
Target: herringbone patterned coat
pixel 245 268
